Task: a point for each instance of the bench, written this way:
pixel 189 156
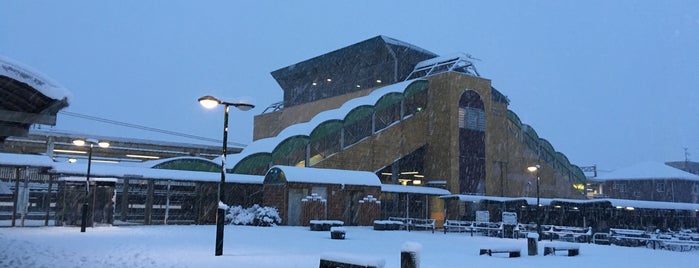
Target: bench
pixel 324 225
pixel 567 233
pixel 343 260
pixel 459 226
pixel 387 225
pixel 412 223
pixel 511 252
pixel 488 228
pixel 571 249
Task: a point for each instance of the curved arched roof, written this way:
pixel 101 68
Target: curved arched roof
pixel 190 163
pixel 324 175
pixel 268 145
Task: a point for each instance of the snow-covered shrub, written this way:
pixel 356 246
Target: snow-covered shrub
pixel 255 215
pixel 266 216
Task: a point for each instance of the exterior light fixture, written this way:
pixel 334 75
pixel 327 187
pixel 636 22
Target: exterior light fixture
pixel 535 169
pixel 210 102
pixel 91 143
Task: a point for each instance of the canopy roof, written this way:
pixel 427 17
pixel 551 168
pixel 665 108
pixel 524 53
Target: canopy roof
pixel 396 188
pixel 367 64
pixel 647 171
pixel 27 97
pixel 139 171
pixel 618 203
pixel 285 174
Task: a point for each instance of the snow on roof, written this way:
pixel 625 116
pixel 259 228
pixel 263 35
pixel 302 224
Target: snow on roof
pixel 646 171
pixel 478 198
pixel 397 42
pixel 76 178
pixel 268 144
pixel 33 78
pixel 329 176
pixel 440 59
pixel 52 132
pixel 396 188
pixel 112 170
pixel 153 163
pixel 25 160
pixel 620 203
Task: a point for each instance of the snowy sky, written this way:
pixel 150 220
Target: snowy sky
pixel 611 83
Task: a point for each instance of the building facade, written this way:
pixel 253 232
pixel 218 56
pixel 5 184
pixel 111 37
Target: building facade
pixel 650 181
pixel 437 123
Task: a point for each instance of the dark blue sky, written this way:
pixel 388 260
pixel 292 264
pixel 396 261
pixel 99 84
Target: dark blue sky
pixel 610 83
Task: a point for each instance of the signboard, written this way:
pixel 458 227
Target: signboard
pixel 509 218
pixel 482 216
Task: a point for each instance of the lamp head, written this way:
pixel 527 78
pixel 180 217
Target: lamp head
pixel 533 168
pixel 244 106
pixel 79 142
pixel 209 102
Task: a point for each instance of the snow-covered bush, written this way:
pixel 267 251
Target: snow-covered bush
pixel 255 215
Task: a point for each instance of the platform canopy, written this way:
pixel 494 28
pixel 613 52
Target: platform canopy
pixel 609 202
pixel 27 97
pixel 286 174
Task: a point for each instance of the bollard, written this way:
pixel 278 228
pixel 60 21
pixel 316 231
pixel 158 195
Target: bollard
pixel 409 255
pixel 533 244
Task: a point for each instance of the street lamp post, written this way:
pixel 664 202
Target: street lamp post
pixel 532 169
pixel 92 143
pixel 210 102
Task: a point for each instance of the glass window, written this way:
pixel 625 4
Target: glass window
pixel 358 124
pixel 388 110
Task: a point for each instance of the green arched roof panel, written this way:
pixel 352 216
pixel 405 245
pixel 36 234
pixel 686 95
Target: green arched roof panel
pixel 416 87
pixel 289 145
pixel 547 146
pixel 514 118
pixel 578 174
pixel 497 96
pixel 325 128
pixel 530 131
pixel 563 159
pixel 358 114
pixel 191 164
pixel 252 162
pixel 388 100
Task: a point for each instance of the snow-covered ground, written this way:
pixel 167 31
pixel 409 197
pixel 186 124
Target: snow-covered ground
pixel 246 246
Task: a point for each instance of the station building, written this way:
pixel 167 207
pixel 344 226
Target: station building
pixel 411 117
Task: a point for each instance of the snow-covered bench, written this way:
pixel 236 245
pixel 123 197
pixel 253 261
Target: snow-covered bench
pixel 511 252
pixel 334 260
pixel 325 225
pixel 568 233
pixel 387 225
pixel 489 228
pixel 451 225
pixel 571 249
pixel 413 223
